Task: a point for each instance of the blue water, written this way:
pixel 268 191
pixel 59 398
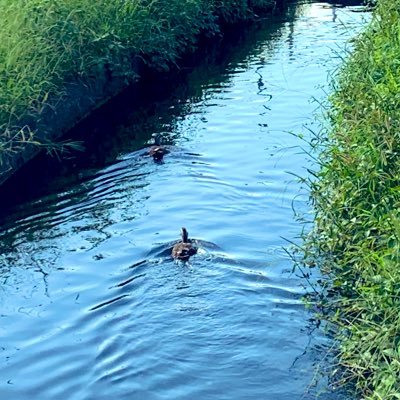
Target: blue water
pixel 91 305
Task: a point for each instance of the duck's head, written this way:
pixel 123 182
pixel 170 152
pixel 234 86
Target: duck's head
pixel 158 139
pixel 185 235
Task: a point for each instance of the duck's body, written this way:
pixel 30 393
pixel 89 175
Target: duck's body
pixel 158 152
pixel 184 249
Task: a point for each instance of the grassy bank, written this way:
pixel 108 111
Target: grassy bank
pixel 44 44
pixel 356 195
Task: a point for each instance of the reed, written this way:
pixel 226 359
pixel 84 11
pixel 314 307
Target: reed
pixel 356 197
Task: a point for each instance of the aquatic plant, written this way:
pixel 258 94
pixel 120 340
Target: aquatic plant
pixel 46 44
pixel 356 197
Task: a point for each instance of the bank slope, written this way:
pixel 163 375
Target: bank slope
pixel 61 59
pixel 357 202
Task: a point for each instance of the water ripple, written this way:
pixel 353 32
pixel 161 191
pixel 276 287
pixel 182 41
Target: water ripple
pixel 92 304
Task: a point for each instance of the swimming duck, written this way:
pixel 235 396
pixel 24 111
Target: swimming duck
pixel 184 249
pixel 158 151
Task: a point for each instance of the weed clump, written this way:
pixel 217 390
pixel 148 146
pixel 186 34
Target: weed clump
pixel 356 196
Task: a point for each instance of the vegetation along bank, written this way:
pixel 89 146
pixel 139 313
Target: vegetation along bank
pixel 61 59
pixel 356 194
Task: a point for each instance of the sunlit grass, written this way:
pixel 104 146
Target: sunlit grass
pixel 356 196
pixel 46 43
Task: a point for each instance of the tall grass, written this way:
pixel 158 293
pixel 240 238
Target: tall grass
pixel 356 239
pixel 46 43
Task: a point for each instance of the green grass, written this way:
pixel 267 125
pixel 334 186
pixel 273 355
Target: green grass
pixel 356 196
pixel 45 44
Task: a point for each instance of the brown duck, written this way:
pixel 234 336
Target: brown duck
pixel 184 249
pixel 158 151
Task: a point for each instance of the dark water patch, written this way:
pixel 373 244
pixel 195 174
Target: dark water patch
pixel 153 112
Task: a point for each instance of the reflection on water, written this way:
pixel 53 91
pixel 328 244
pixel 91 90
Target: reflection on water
pixel 92 304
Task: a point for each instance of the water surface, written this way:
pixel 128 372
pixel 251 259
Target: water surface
pixel 92 306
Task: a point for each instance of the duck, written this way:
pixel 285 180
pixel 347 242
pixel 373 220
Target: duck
pixel 184 249
pixel 157 151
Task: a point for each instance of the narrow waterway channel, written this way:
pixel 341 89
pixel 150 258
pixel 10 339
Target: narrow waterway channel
pixel 91 305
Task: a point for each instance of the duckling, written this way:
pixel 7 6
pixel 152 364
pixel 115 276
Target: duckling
pixel 158 151
pixel 184 249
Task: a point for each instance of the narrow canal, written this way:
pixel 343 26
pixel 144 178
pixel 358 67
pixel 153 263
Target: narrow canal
pixel 92 307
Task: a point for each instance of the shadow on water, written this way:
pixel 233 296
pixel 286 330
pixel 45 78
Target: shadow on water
pixel 92 304
pixel 128 122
